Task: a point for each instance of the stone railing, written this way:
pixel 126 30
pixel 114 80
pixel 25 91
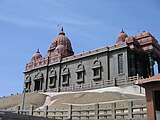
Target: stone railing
pixel 100 84
pixel 34 64
pixel 54 59
pixel 122 110
pixel 42 62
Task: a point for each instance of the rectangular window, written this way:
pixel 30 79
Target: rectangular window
pixel 79 75
pixel 52 81
pixel 120 63
pixel 96 71
pixel 65 77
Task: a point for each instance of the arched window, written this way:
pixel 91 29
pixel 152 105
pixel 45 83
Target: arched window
pixel 38 81
pixel 65 76
pixel 52 78
pixel 96 69
pixel 28 83
pixel 80 73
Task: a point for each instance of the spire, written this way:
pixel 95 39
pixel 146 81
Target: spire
pixel 62 29
pixel 37 51
pixel 61 32
pixel 122 31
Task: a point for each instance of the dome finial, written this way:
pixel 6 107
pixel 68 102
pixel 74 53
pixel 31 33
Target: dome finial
pixel 37 50
pixel 62 32
pixel 62 29
pixel 122 31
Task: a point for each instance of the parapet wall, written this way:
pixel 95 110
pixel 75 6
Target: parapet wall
pixel 14 116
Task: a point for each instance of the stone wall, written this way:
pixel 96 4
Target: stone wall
pixel 14 116
pixel 107 58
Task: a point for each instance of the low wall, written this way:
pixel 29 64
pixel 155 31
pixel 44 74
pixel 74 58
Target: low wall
pixel 120 110
pixel 14 116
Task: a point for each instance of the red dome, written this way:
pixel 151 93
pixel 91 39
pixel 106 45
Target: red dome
pixel 121 37
pixel 36 56
pixel 59 41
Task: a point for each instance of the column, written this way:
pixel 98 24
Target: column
pixel 33 85
pixel 150 104
pixel 151 63
pixel 132 65
pixel 158 67
pixel 138 65
pixel 41 84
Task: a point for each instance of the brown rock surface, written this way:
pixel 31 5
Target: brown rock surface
pixel 33 98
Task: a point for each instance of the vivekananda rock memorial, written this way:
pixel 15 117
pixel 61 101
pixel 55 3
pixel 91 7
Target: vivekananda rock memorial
pixel 61 70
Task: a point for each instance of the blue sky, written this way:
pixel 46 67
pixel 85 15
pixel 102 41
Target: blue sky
pixel 26 25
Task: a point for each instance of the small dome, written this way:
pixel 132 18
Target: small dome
pixel 121 37
pixel 36 56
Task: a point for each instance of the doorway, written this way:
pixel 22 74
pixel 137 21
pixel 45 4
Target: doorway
pixel 37 85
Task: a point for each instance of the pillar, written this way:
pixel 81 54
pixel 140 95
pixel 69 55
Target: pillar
pixel 41 85
pixel 70 112
pixel 138 64
pixel 45 111
pixel 96 111
pixel 158 66
pixel 150 104
pixel 151 63
pixel 132 65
